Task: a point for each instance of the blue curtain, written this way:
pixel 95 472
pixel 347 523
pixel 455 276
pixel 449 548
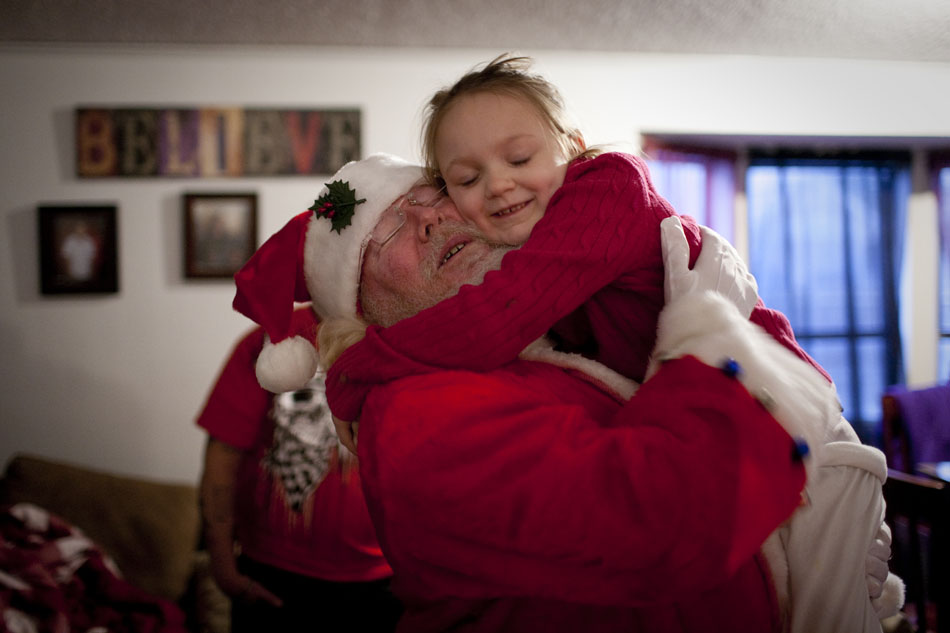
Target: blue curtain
pixel 824 244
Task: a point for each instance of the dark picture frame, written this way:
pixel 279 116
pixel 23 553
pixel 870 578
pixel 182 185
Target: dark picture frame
pixel 78 249
pixel 220 233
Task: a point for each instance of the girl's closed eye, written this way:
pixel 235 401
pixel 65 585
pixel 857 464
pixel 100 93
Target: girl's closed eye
pixel 462 178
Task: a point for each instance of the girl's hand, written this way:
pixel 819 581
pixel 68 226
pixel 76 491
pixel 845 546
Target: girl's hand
pixel 346 432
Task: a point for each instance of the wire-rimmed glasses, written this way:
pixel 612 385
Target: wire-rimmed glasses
pixel 391 222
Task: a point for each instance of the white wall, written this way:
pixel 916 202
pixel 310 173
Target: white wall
pixel 116 381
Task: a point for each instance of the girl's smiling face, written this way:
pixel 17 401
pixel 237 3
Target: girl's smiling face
pixel 501 163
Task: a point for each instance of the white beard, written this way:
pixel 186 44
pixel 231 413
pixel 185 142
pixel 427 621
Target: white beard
pixel 388 308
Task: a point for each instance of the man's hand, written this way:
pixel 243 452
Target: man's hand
pixel 718 268
pixel 878 554
pixel 346 432
pixel 885 589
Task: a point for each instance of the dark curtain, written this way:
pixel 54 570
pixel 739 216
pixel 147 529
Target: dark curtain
pixel 825 238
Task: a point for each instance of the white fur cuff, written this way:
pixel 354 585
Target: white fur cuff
pixel 705 325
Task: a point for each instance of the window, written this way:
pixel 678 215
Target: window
pixel 824 240
pixel 824 244
pixel 823 231
pixel 698 184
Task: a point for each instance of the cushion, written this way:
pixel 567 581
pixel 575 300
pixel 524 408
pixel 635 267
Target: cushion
pixel 149 528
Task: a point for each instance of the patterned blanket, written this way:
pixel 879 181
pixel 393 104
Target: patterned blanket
pixel 54 579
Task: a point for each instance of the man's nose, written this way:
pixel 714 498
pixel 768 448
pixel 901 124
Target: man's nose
pixel 423 219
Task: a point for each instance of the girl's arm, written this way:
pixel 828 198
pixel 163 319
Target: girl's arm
pixel 601 224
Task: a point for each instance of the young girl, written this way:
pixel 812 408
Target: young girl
pixel 590 271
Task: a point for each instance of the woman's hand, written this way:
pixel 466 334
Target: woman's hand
pixel 244 588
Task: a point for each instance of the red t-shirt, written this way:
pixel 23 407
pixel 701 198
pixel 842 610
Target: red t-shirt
pixel 593 263
pixel 297 508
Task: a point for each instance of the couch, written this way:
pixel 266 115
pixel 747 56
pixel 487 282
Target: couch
pixel 150 529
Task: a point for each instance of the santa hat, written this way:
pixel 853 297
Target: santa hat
pixel 316 257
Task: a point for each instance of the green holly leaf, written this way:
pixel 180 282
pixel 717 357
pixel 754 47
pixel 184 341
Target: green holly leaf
pixel 337 205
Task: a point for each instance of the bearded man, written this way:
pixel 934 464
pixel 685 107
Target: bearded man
pixel 541 495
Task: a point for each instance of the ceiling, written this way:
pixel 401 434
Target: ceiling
pixel 911 30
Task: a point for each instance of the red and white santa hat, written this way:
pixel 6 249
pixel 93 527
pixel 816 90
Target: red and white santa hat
pixel 316 257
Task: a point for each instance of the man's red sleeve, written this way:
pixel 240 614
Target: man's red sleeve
pixel 778 326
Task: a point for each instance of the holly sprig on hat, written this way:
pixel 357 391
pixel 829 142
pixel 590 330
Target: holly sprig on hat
pixel 337 205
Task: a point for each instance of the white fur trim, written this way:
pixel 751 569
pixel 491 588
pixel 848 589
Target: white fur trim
pixel 856 455
pixel 332 260
pixel 286 366
pixel 619 386
pixel 892 598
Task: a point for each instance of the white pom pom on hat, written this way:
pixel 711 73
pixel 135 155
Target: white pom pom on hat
pixel 309 260
pixel 281 366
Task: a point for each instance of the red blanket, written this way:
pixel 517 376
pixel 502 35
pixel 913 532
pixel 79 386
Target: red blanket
pixel 53 578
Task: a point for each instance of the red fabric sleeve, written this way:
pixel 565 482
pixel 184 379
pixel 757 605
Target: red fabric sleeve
pixel 485 485
pixel 777 325
pixel 599 225
pixel 237 404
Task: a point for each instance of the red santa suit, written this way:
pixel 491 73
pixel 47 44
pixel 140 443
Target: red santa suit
pixel 527 499
pixel 597 247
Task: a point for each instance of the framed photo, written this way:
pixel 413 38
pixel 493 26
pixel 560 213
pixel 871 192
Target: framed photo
pixel 220 233
pixel 78 252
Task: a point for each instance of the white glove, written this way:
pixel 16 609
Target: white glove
pixel 884 588
pixel 878 554
pixel 718 267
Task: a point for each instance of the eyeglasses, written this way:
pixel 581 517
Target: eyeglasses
pixel 391 222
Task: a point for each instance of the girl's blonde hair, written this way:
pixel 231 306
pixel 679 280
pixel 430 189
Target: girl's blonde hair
pixel 336 335
pixel 505 75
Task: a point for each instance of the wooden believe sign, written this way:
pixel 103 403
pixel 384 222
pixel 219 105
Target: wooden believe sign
pixel 213 142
